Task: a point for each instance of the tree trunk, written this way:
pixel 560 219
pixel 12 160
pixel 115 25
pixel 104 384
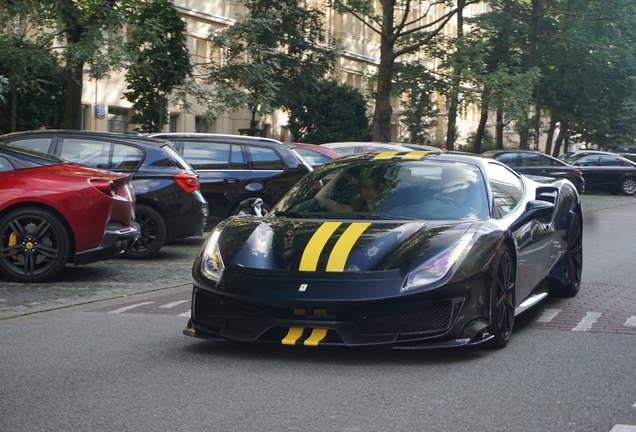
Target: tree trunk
pixel 479 135
pixel 553 121
pixel 73 100
pixel 381 127
pixel 559 140
pixel 533 60
pixel 14 110
pixel 451 134
pixel 499 130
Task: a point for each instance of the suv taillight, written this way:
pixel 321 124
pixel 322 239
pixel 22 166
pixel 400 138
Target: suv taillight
pixel 578 172
pixel 107 187
pixel 188 182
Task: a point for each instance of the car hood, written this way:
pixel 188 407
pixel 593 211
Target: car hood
pixel 335 246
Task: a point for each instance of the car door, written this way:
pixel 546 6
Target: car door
pixel 592 173
pixel 270 177
pixel 223 173
pixel 614 170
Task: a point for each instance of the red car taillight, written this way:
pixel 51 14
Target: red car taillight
pixel 578 172
pixel 107 187
pixel 188 182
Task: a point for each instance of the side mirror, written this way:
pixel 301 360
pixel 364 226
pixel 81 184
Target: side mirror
pixel 536 209
pixel 252 206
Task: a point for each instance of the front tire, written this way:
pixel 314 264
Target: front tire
pixel 34 245
pixel 502 300
pixel 628 186
pixel 573 260
pixel 153 233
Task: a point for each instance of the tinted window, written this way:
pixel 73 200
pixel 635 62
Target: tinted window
pixel 126 157
pixel 345 151
pixel 204 155
pixel 507 190
pixel 587 161
pixel 175 157
pixel 237 159
pixel 312 157
pixel 37 144
pixel 264 159
pixel 612 161
pixel 509 159
pixel 5 165
pixel 531 159
pixel 86 151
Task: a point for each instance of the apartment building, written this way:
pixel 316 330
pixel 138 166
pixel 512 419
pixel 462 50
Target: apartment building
pixel 106 110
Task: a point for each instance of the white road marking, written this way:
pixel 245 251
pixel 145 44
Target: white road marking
pixel 548 315
pixel 623 428
pixel 186 314
pixel 634 405
pixel 173 304
pixel 125 308
pixel 631 322
pixel 588 320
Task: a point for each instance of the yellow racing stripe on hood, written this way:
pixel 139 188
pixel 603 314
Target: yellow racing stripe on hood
pixel 311 254
pixel 343 246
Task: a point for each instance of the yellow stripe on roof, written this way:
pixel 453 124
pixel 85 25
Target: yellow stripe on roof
pixel 385 155
pixel 343 246
pixel 415 155
pixel 311 254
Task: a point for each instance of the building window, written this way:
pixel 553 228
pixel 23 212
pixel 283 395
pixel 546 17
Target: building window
pixel 117 120
pixel 200 125
pixel 174 121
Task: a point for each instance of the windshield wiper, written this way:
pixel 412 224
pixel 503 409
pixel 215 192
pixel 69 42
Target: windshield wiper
pixel 385 217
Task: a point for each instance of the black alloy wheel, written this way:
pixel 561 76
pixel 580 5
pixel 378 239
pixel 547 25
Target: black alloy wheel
pixel 502 300
pixel 34 245
pixel 573 260
pixel 152 236
pixel 628 186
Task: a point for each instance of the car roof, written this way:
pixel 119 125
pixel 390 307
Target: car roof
pixel 414 155
pixel 218 137
pixel 107 135
pixel 362 144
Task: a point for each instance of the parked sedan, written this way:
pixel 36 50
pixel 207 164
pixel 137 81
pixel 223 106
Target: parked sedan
pixel 233 168
pixel 533 163
pixel 608 173
pixel 169 203
pixel 53 213
pixel 570 157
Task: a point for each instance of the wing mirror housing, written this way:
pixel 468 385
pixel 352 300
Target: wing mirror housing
pixel 252 206
pixel 535 209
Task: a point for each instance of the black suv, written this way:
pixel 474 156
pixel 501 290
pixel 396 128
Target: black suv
pixel 169 203
pixel 233 167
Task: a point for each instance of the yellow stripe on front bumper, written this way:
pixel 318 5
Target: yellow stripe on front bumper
pixel 293 335
pixel 385 155
pixel 309 260
pixel 341 250
pixel 316 336
pixel 415 155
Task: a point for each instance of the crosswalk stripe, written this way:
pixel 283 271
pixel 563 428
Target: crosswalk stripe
pixel 126 308
pixel 173 304
pixel 631 322
pixel 548 315
pixel 623 428
pixel 587 322
pixel 186 314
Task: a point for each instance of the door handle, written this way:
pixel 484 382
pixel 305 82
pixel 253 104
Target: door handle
pixel 231 180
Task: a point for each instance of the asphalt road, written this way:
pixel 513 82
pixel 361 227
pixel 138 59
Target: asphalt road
pixel 79 369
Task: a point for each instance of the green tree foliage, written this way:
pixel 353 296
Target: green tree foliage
pixel 32 94
pixel 404 27
pixel 329 112
pixel 275 53
pixel 92 31
pixel 159 62
pixel 416 83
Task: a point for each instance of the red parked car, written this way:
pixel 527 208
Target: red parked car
pixel 53 212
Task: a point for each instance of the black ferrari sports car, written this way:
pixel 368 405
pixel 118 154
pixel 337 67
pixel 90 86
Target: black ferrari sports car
pixel 401 249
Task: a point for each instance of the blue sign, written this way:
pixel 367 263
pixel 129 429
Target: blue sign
pixel 100 111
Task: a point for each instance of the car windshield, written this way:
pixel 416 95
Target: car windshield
pixel 390 189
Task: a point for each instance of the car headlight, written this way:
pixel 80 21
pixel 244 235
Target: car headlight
pixel 437 267
pixel 212 264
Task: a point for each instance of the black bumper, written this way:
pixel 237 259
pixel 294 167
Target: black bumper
pixel 116 241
